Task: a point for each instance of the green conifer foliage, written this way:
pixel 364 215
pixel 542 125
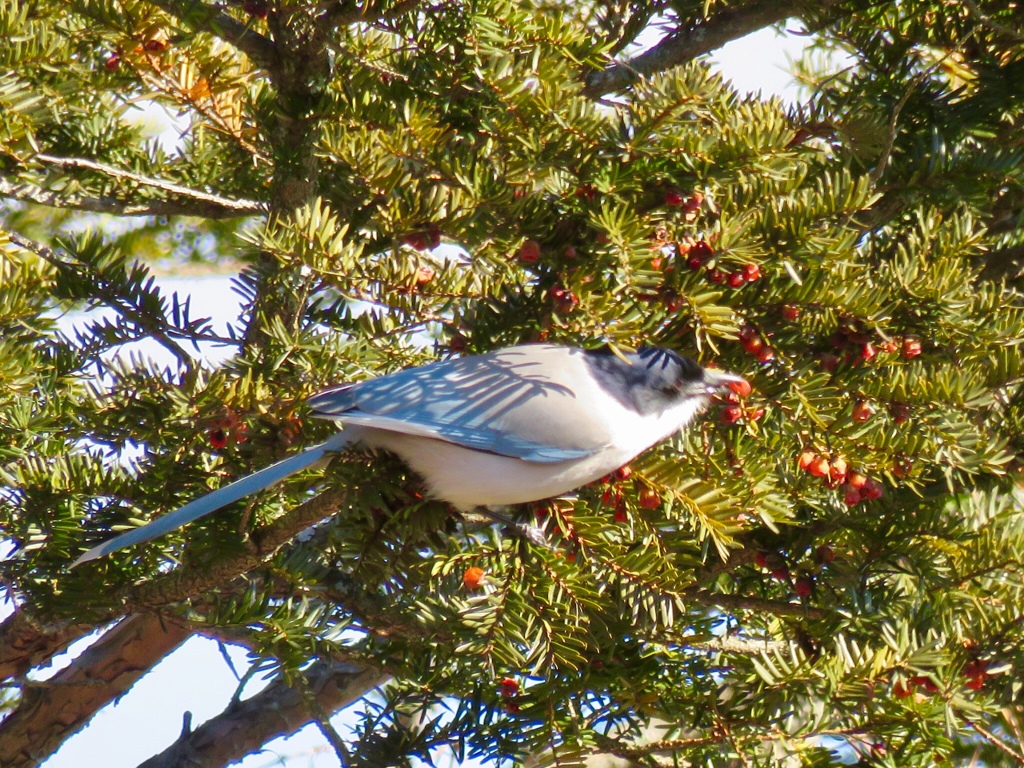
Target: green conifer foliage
pixel 828 568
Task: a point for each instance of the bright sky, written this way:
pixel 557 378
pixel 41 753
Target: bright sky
pixel 195 678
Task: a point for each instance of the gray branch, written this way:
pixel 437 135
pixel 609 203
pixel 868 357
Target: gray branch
pixel 687 43
pixel 245 726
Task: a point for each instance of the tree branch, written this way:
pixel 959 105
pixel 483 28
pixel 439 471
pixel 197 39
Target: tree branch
pixel 759 604
pixel 25 644
pixel 32 194
pixel 52 711
pixel 198 16
pixel 278 710
pixel 185 582
pixel 687 43
pixel 238 207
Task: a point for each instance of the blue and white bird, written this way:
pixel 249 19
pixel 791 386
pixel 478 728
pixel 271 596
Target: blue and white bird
pixel 512 426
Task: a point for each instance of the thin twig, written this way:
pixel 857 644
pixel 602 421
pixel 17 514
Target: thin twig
pixel 240 207
pixel 109 205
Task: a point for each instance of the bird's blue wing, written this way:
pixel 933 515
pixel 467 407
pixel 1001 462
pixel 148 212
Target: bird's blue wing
pixel 519 402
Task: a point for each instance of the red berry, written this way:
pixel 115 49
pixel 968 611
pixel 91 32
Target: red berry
pixel 901 690
pixel 976 683
pixel 900 412
pixel 755 414
pixel 656 262
pixel 218 438
pixel 611 497
pixel 761 559
pixel 872 490
pixel 851 495
pixel 620 514
pixel 790 312
pixel 424 275
pixel 837 470
pixel 901 466
pixel 748 332
pixel 673 197
pixel 730 414
pixel 754 345
pixel 417 240
pixel 529 252
pixel 911 346
pixel 751 272
pixel 702 250
pixel 824 554
pixel 258 8
pixel 806 459
pixel 649 498
pixel 570 252
pixel 717 276
pixel 736 280
pixel 113 63
pixel 457 343
pixel 508 687
pixel 695 263
pixel 472 577
pixel 622 473
pixel 868 351
pixel 803 586
pixel 565 300
pixel 820 467
pixel 862 410
pixel 155 45
pixel 925 682
pixel 765 355
pixel 741 388
pixel 781 573
pixel 694 201
pixel 888 345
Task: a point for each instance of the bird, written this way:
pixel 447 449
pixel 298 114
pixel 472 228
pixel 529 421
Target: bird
pixel 487 431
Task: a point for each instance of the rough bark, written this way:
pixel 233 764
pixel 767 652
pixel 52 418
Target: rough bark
pixel 51 711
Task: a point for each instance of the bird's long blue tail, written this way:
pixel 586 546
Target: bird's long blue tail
pixel 217 499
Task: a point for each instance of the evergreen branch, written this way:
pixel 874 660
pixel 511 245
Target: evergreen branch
pixel 687 43
pixel 759 604
pixel 199 16
pixel 47 716
pixel 278 710
pixel 738 645
pixel 342 14
pixel 995 26
pixel 239 207
pixel 996 742
pixel 187 581
pixel 153 326
pixel 32 194
pixel 24 643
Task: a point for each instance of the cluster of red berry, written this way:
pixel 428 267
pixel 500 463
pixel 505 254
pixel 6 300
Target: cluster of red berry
pixel 736 409
pixel 227 430
pixel 647 497
pixel 835 473
pixel 509 690
pixel 755 344
pixel 855 346
pixel 974 671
